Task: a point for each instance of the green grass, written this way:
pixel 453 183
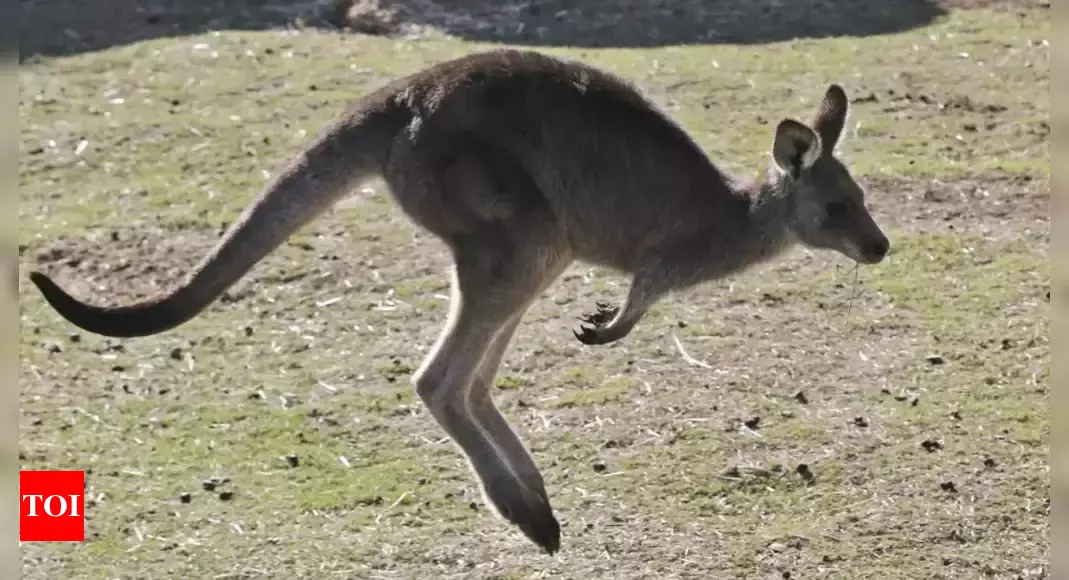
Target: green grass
pixel 312 354
pixel 612 391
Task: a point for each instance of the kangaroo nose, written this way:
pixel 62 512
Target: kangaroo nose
pixel 876 251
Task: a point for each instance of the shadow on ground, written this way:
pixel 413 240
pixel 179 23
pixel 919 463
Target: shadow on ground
pixel 68 27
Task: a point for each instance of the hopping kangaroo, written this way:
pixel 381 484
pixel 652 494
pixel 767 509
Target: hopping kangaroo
pixel 522 164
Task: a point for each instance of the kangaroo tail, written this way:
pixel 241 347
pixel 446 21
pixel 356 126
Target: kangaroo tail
pixel 352 150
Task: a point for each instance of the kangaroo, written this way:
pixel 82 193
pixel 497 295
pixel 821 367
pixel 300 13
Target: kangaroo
pixel 522 164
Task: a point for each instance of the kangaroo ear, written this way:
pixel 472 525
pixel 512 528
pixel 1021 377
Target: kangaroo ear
pixel 796 147
pixel 831 117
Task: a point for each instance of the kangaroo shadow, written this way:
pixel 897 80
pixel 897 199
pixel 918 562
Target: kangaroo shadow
pixel 68 27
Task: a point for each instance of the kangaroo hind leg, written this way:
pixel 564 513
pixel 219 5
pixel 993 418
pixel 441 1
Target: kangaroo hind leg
pixel 500 267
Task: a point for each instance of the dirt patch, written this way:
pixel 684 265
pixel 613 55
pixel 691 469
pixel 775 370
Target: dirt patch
pixel 994 206
pixel 120 264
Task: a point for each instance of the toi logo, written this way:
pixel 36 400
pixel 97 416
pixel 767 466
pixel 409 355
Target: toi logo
pixel 52 506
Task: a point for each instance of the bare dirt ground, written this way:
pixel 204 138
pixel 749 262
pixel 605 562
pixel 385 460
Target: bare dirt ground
pixel 794 422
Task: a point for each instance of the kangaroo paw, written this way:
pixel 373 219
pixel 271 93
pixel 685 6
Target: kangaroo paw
pixel 592 331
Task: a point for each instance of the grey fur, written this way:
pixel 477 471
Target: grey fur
pixel 522 163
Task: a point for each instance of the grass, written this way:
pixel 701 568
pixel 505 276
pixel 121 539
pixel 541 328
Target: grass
pixel 917 400
pixel 612 391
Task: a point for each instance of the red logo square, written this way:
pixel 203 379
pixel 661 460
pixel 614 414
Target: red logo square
pixel 51 506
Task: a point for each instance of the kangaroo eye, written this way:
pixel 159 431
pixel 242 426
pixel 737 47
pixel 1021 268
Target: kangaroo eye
pixel 837 209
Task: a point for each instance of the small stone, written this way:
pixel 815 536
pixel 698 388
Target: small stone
pixel 74 337
pixel 935 359
pixel 473 506
pixel 176 354
pixel 989 463
pixel 248 331
pixel 209 484
pixel 54 348
pixel 948 486
pixel 956 415
pixel 861 422
pixel 600 467
pixel 292 460
pixel 804 471
pixel 801 398
pixel 931 445
pixel 226 495
pixel 914 401
pixel 186 497
pixel 753 423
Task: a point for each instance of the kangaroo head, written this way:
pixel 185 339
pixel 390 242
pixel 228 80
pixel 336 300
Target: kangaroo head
pixel 826 206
